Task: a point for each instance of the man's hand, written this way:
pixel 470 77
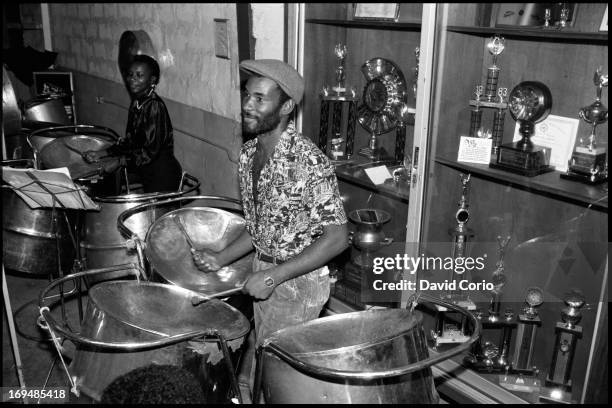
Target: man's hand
pixel 93 156
pixel 206 260
pixel 110 166
pixel 259 285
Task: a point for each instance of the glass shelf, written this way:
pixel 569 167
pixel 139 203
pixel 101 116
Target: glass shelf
pixel 354 173
pixel 547 184
pixel 382 25
pixel 548 34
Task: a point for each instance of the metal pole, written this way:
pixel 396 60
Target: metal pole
pixel 11 323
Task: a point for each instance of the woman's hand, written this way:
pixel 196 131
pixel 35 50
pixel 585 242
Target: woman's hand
pixel 206 260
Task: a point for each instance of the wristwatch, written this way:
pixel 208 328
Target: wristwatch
pixel 268 281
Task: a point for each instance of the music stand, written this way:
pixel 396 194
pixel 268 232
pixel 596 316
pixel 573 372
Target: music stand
pixel 44 189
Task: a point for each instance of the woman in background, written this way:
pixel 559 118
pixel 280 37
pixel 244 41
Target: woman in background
pixel 147 147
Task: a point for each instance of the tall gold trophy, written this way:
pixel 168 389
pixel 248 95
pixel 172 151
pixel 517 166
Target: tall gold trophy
pixel 588 163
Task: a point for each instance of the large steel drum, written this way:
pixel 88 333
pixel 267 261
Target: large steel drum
pixel 374 356
pixel 46 109
pixel 131 324
pixel 31 243
pixel 168 248
pixel 102 243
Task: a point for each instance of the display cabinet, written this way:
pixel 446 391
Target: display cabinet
pixel 555 230
pixel 326 118
pixel 549 234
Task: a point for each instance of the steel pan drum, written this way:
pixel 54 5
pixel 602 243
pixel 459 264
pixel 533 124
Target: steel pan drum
pixel 133 312
pixel 46 109
pixel 168 250
pixel 67 152
pixel 103 245
pixel 367 341
pixel 29 243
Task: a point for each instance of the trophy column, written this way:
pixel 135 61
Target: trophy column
pixel 447 328
pixel 588 163
pixel 490 356
pixel 336 98
pixel 567 332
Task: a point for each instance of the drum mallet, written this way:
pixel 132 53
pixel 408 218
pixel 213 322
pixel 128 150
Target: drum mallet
pixel 197 299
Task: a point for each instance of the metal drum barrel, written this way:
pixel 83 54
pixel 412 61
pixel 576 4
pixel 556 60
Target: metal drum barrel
pixel 375 356
pixel 29 243
pixel 130 324
pixel 102 243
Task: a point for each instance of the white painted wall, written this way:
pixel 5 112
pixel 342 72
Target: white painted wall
pixel 269 29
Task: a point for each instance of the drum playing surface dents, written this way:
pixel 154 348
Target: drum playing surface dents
pixel 169 252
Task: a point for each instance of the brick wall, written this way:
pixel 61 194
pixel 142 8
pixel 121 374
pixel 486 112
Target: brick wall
pixel 201 90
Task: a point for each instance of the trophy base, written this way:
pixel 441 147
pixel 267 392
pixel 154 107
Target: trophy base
pixel 528 162
pixel 587 166
pixel 592 179
pixel 483 364
pixel 520 383
pixel 377 154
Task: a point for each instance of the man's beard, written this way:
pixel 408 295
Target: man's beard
pixel 263 125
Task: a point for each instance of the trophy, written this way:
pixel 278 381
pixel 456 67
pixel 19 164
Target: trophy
pixel 529 103
pixel 529 321
pixel 524 375
pixel 449 330
pixel 488 356
pixel 495 46
pixel 588 162
pixel 563 15
pixel 490 97
pixel 336 98
pixel 340 51
pixel 567 333
pixel 547 17
pixel 383 106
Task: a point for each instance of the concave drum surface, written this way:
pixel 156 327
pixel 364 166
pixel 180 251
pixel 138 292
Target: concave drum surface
pixel 368 341
pixel 67 152
pixel 131 311
pixel 169 253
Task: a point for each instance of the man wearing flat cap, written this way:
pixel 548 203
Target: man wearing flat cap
pixel 294 216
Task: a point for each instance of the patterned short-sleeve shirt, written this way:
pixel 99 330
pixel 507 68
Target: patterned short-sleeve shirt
pixel 297 194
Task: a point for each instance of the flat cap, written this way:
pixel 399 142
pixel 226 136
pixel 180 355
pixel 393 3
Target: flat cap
pixel 280 72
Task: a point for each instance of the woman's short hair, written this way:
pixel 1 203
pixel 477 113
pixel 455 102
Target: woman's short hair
pixel 150 62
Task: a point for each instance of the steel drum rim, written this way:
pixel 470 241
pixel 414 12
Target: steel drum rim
pixel 185 209
pixel 379 340
pixel 173 288
pixel 346 316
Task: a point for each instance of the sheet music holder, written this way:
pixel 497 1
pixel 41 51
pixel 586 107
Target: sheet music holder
pixel 47 188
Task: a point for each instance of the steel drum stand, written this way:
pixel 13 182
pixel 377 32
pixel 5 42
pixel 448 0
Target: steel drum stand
pixel 55 203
